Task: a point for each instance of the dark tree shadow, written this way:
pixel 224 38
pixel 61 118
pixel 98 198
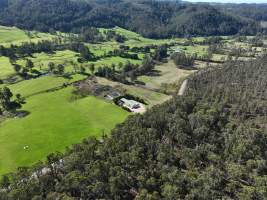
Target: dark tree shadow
pixel 153 73
pixel 139 82
pixel 21 113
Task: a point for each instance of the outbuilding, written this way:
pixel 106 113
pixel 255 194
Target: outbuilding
pixel 131 104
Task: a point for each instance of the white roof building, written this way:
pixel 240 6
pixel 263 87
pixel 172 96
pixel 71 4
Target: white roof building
pixel 131 104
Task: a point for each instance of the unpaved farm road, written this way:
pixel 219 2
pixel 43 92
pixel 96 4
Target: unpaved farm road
pixel 183 88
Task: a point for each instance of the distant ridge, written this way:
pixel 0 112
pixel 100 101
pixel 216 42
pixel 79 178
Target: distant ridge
pixel 163 18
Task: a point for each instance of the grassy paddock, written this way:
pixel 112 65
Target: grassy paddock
pixel 33 86
pixel 6 69
pixel 41 60
pixel 67 58
pixel 166 73
pixel 13 35
pixel 53 124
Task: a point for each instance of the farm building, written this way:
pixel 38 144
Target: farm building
pixel 131 104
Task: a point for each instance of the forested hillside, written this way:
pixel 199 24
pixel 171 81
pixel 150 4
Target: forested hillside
pixel 154 19
pixel 208 144
pixel 254 11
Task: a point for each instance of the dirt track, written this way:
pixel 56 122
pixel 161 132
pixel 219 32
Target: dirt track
pixel 183 88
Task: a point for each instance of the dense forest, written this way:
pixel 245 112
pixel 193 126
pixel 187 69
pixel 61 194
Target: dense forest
pixel 208 144
pixel 162 18
pixel 253 11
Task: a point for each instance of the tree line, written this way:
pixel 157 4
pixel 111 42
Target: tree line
pixel 26 49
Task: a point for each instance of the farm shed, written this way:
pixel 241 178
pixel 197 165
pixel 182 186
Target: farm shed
pixel 131 104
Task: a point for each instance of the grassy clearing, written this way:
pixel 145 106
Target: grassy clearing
pixel 54 123
pixel 198 39
pixel 104 48
pixel 151 97
pixel 115 60
pixel 135 39
pixel 6 69
pixel 13 35
pixel 219 57
pixel 166 73
pixel 196 49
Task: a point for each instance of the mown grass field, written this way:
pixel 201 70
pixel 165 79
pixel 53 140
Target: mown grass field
pixel 54 123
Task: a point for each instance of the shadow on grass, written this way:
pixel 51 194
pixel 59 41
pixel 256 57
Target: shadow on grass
pixel 154 73
pixel 189 68
pixel 139 82
pixel 21 113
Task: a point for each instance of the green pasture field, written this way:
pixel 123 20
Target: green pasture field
pixel 115 60
pixel 6 69
pixel 103 48
pixel 41 60
pixel 219 57
pixel 35 86
pixel 68 58
pixel 150 97
pixel 13 35
pixel 196 49
pixel 54 123
pixel 135 39
pixel 167 73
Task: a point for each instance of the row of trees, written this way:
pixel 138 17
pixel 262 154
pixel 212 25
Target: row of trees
pixel 122 53
pixel 27 49
pixel 94 35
